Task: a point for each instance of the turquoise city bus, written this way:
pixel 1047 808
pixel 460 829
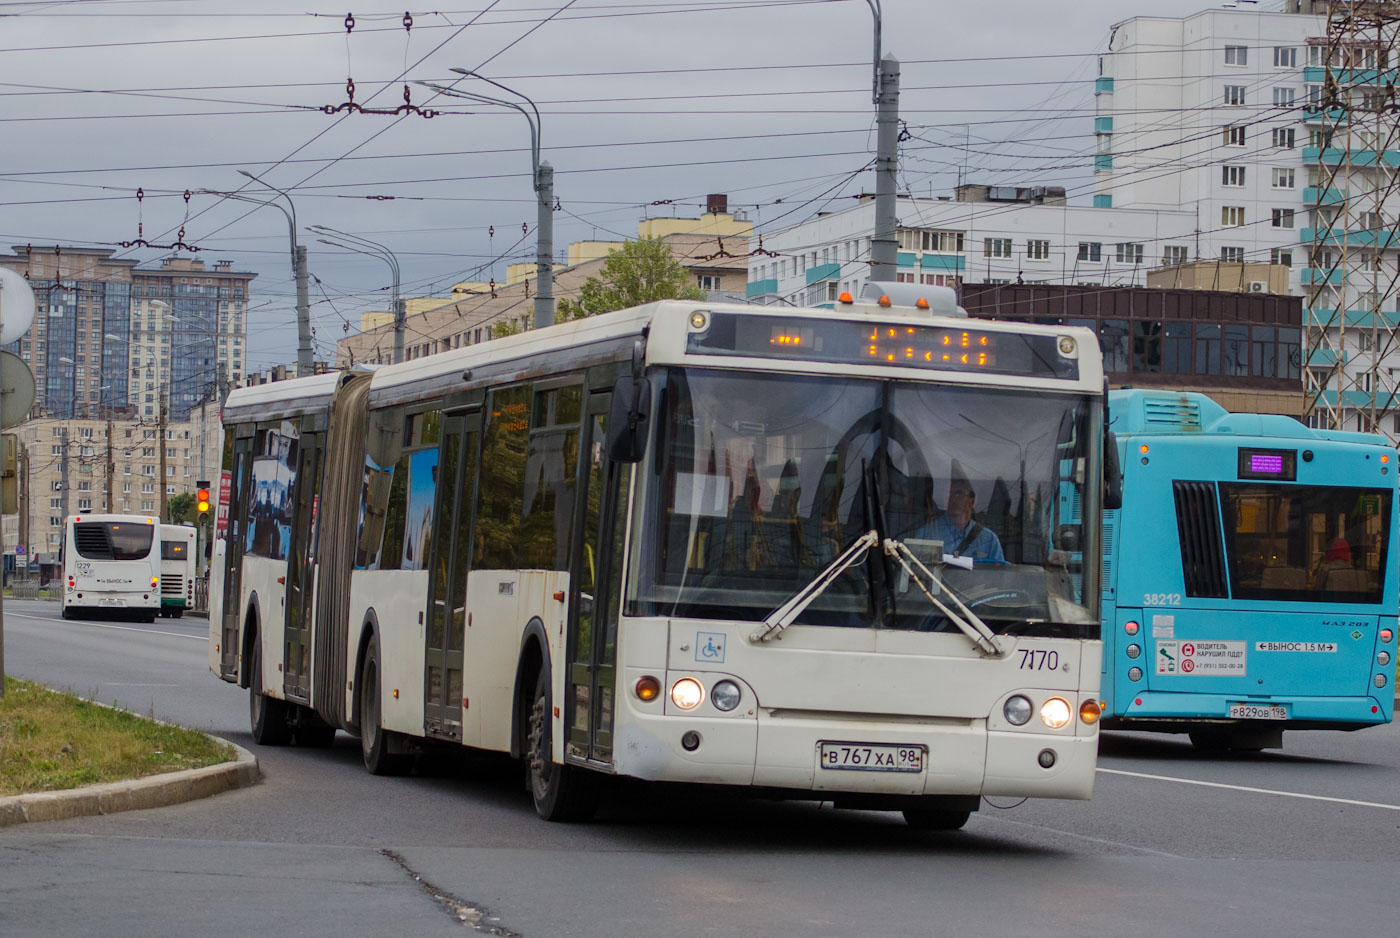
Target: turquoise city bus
pixel 1249 579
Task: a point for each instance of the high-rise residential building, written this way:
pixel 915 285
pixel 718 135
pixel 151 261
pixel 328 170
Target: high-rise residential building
pixel 112 338
pixel 1233 113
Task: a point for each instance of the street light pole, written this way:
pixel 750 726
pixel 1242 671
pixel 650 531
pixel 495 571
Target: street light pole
pixel 542 174
pixel 362 245
pixel 305 359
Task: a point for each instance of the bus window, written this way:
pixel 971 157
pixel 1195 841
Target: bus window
pixel 1305 543
pixel 110 540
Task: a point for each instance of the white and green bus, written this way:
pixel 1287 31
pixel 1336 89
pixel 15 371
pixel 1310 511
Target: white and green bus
pixel 178 563
pixel 687 542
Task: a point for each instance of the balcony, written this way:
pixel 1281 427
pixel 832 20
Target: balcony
pixel 1103 84
pixel 1318 275
pixel 761 288
pixel 1322 318
pixel 1332 155
pixel 823 272
pixel 1312 195
pixel 1361 238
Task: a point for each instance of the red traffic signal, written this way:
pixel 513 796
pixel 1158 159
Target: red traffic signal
pixel 202 500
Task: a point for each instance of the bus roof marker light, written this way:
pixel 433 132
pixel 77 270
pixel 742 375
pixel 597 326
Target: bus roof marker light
pixel 885 302
pixel 921 303
pixel 846 299
pixel 698 319
pixel 1067 345
pixel 1143 448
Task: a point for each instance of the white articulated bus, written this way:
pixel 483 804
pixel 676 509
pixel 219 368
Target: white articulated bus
pixel 177 569
pixel 111 567
pixel 687 542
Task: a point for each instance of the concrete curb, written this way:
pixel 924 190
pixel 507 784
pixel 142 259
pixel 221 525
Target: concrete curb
pixel 155 791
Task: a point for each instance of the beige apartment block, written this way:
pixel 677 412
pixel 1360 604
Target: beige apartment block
pixel 69 466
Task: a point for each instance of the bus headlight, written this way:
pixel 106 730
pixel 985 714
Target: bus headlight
pixel 687 693
pixel 725 695
pixel 1017 710
pixel 1055 713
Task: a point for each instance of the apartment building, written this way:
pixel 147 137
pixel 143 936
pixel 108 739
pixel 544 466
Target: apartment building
pixel 111 337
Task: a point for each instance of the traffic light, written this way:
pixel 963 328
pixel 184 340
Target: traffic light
pixel 201 498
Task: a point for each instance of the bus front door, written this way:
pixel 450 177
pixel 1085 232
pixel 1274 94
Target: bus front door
pixel 449 560
pixel 239 479
pixel 301 552
pixel 596 583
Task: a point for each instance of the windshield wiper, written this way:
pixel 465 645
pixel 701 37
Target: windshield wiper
pixel 967 621
pixel 787 613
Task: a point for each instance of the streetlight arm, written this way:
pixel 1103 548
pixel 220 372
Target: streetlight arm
pixel 369 250
pixel 539 126
pixel 534 121
pixel 879 26
pixel 290 216
pixel 281 192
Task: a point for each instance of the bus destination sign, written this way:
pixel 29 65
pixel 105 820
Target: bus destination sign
pixel 1279 465
pixel 942 348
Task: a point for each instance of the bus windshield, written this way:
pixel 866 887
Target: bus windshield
pixel 1306 543
pixel 759 481
pixel 112 540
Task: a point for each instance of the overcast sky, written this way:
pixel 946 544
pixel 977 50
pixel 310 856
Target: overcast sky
pixel 643 101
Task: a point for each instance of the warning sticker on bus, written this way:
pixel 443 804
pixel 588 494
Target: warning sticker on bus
pixel 1211 659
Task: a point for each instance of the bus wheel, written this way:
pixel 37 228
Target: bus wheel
pixel 1210 742
pixel 69 613
pixel 374 739
pixel 560 792
pixel 935 819
pixel 267 714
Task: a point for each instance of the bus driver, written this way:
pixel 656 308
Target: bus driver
pixel 960 533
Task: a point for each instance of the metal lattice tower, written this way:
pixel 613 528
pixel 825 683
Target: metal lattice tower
pixel 1352 329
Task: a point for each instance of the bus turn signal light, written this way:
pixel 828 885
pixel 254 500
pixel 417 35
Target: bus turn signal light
pixel 648 688
pixel 1089 712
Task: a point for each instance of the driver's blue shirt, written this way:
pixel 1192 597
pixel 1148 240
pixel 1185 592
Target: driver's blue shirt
pixel 985 546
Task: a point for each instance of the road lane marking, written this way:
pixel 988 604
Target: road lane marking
pixel 1255 791
pixel 99 625
pixel 123 684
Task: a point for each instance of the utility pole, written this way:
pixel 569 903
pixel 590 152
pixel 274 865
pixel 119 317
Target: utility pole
pixel 63 469
pixel 110 466
pixel 884 245
pixel 400 321
pixel 305 364
pixel 161 433
pixel 544 245
pixel 24 507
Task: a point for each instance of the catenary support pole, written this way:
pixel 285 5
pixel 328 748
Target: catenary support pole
pixel 884 243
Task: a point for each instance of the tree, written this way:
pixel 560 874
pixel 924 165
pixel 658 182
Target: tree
pixel 506 327
pixel 640 271
pixel 180 508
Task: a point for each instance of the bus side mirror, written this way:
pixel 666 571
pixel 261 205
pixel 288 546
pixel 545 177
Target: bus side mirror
pixel 629 420
pixel 1112 472
pixel 1067 538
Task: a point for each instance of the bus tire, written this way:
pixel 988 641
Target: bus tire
pixel 267 715
pixel 935 819
pixel 69 613
pixel 374 739
pixel 560 792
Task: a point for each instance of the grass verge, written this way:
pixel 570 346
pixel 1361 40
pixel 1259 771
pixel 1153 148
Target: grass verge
pixel 51 741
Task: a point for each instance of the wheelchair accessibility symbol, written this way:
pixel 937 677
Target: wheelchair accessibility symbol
pixel 709 647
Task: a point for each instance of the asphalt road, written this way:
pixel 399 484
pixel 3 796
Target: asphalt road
pixel 1299 842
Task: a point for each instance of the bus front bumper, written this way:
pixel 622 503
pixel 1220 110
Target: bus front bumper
pixel 784 752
